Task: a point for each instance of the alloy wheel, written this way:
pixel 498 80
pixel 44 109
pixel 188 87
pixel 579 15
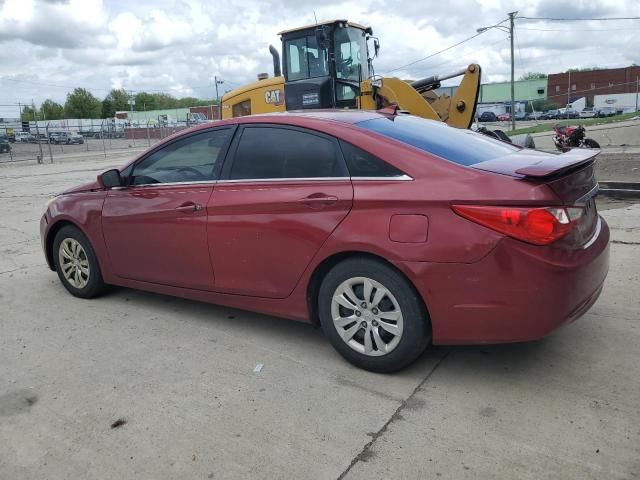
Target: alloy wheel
pixel 367 316
pixel 74 263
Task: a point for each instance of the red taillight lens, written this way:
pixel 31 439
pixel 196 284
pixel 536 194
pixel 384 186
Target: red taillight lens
pixel 540 226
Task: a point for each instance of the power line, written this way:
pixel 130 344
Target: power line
pixel 436 53
pixel 578 19
pixel 574 30
pixel 562 94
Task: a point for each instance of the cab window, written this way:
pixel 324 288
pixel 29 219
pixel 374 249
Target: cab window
pixel 305 59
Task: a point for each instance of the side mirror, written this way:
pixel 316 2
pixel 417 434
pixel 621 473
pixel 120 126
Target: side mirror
pixel 376 47
pixel 110 178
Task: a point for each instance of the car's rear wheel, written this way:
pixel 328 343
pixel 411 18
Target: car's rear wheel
pixel 372 315
pixel 76 263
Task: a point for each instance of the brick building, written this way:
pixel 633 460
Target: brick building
pixel 567 87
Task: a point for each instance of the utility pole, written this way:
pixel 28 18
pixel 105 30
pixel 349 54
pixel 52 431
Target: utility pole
pixel 218 82
pixel 512 17
pixel 40 157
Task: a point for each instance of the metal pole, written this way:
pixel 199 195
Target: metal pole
pixel 215 80
pixel 637 86
pixel 148 136
pixel 49 143
pixel 512 16
pixel 104 148
pixel 33 106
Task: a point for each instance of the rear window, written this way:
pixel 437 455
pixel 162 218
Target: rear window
pixel 463 147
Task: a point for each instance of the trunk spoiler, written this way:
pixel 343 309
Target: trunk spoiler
pixel 558 164
pixel 527 163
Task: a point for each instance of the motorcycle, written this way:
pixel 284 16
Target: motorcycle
pixel 566 138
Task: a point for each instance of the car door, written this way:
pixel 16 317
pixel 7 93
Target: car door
pixel 282 192
pixel 155 227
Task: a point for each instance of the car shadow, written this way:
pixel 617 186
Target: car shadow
pixel 307 343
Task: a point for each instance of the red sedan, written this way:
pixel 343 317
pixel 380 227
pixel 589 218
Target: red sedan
pixel 389 230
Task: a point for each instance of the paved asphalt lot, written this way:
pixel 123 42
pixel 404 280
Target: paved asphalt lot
pixel 180 375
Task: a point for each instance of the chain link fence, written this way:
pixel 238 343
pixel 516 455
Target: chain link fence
pixel 57 140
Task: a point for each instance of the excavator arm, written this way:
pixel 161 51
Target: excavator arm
pixel 419 98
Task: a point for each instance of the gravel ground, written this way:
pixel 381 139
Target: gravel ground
pixel 138 385
pixel 623 167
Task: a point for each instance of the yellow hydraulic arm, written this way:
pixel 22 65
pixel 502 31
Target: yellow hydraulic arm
pixel 418 98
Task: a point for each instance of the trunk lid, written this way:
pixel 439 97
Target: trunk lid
pixel 570 176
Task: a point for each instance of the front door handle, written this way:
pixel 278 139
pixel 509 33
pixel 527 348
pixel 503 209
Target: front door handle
pixel 318 200
pixel 189 207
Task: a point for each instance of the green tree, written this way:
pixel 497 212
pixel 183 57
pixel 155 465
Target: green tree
pixel 82 104
pixel 145 101
pixel 27 114
pixel 51 110
pixel 533 76
pixel 116 100
pixel 583 69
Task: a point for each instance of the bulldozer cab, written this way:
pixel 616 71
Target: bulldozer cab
pixel 324 65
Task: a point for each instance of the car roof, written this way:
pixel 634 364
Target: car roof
pixel 344 116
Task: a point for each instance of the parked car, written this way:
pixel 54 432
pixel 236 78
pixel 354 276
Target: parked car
pixel 587 112
pixel 59 138
pixel 5 147
pixel 488 117
pixel 22 137
pixel 535 116
pixel 566 113
pixel 607 112
pixel 551 115
pixel 75 138
pixel 391 231
pixel 504 117
pixel 519 116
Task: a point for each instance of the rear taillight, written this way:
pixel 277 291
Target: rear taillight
pixel 540 226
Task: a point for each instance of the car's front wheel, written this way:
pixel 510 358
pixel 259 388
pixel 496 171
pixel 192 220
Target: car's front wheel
pixel 372 315
pixel 76 263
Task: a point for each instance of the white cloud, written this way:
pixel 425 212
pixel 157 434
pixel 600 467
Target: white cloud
pixel 177 46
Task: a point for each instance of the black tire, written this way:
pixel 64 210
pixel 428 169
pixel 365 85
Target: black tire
pixel 591 143
pixel 416 333
pixel 95 286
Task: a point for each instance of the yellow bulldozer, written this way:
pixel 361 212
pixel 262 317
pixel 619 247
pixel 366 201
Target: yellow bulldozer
pixel 330 65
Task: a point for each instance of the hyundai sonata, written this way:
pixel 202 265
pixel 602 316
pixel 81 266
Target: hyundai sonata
pixel 390 231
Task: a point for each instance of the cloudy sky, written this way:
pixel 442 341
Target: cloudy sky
pixel 177 46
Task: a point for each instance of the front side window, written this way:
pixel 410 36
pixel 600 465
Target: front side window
pixel 272 153
pixel 305 59
pixel 192 159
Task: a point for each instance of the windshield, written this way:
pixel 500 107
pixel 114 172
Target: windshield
pixel 305 59
pixel 457 145
pixel 351 60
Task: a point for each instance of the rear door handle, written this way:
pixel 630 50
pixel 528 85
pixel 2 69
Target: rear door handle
pixel 318 200
pixel 189 207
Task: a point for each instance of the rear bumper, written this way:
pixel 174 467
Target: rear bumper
pixel 518 292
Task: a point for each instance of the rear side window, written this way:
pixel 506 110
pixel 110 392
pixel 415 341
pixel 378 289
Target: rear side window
pixel 363 164
pixel 457 145
pixel 268 152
